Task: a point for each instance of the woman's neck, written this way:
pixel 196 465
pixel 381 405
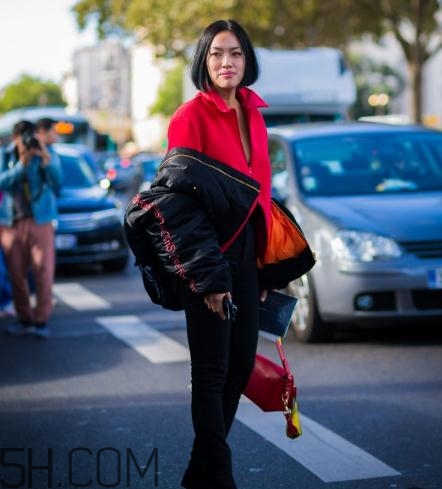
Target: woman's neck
pixel 229 96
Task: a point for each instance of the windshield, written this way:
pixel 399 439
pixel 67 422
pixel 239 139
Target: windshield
pixel 76 172
pixel 369 163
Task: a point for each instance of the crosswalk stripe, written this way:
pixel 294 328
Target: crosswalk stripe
pixel 147 341
pixel 79 297
pixel 326 454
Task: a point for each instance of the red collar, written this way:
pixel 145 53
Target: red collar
pixel 248 98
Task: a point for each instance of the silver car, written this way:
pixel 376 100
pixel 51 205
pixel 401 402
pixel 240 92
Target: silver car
pixel 369 199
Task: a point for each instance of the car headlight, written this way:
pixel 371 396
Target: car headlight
pixel 363 247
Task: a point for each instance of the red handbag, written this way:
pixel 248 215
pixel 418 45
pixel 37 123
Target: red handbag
pixel 272 388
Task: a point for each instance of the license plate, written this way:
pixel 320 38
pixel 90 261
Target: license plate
pixel 435 278
pixel 65 241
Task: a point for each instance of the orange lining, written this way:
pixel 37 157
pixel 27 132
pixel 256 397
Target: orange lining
pixel 285 239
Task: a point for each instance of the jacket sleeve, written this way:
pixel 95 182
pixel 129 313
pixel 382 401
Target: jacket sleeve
pixel 53 172
pixel 186 242
pixel 9 176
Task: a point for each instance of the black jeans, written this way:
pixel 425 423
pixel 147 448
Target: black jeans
pixel 222 358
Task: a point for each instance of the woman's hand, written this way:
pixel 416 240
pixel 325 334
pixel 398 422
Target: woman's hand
pixel 214 303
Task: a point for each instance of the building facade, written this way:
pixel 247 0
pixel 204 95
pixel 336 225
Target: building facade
pixel 103 83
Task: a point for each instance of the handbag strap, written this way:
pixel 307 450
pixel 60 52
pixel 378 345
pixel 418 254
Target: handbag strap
pixel 290 411
pixel 282 356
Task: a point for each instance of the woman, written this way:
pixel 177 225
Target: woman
pixel 223 122
pixel 200 230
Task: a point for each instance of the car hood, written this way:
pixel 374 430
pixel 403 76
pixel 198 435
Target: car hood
pixel 403 217
pixel 84 200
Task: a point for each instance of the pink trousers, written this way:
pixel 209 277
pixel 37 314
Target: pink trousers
pixel 30 247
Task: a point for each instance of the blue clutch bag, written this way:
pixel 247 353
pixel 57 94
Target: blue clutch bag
pixel 275 313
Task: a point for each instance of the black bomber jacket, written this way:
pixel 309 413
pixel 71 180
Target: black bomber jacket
pixel 179 227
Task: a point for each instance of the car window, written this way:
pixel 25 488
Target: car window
pixel 76 172
pixel 370 163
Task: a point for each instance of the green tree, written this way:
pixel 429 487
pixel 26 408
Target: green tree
pixel 28 91
pixel 172 25
pixel 372 77
pixel 170 94
pixel 416 24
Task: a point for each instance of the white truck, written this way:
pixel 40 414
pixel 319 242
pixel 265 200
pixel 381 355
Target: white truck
pixel 301 85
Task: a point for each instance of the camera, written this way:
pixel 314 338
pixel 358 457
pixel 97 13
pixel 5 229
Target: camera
pixel 30 141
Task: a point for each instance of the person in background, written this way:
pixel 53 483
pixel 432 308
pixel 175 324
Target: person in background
pixel 45 132
pixel 223 122
pixel 30 178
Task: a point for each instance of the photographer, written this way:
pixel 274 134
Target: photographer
pixel 30 177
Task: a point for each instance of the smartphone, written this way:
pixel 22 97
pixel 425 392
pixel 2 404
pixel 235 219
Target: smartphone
pixel 230 309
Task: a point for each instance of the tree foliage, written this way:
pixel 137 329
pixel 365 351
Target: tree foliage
pixel 372 77
pixel 28 91
pixel 173 25
pixel 170 94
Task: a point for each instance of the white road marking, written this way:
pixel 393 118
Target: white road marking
pixel 147 341
pixel 79 298
pixel 329 456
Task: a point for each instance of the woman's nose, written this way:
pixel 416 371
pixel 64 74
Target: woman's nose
pixel 226 60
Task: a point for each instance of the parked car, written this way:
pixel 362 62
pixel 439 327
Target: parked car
pixel 90 229
pixel 120 172
pixel 146 165
pixel 369 200
pixel 87 155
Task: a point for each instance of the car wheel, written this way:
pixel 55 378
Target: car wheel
pixel 115 265
pixel 306 321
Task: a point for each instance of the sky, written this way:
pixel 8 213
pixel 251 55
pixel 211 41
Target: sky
pixel 38 37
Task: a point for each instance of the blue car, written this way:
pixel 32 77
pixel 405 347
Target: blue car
pixel 89 228
pixel 369 199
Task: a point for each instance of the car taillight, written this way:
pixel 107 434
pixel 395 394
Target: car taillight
pixel 111 174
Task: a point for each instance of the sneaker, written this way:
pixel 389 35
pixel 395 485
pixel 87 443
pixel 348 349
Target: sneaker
pixel 19 329
pixel 41 330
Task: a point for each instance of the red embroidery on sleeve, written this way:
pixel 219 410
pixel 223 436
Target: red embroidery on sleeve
pixel 167 240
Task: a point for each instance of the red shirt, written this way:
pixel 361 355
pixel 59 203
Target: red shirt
pixel 208 125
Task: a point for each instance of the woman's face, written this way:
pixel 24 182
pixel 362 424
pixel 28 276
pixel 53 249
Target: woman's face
pixel 225 61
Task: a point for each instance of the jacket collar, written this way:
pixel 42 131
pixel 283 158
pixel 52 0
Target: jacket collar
pixel 185 161
pixel 248 98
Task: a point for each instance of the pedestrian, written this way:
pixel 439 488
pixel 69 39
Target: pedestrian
pixel 209 239
pixel 30 177
pixel 46 132
pixel 223 122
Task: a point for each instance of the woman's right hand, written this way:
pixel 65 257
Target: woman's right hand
pixel 214 303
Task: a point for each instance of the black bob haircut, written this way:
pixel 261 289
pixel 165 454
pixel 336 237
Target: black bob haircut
pixel 198 68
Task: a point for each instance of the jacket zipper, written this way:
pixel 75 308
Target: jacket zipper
pixel 210 166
